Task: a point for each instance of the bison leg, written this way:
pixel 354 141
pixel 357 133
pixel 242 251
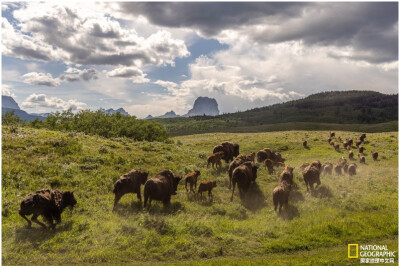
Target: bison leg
pixel 233 190
pixel 192 187
pixel 34 219
pixel 116 199
pixel 49 218
pixel 23 216
pixel 139 196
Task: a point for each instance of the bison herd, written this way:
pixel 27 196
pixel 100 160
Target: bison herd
pixel 242 172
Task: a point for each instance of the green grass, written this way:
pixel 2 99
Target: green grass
pixel 315 230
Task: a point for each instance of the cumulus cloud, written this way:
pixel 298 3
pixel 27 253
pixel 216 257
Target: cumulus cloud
pixel 74 74
pixel 41 100
pixel 86 35
pixel 42 79
pixel 7 91
pixel 369 30
pixel 133 73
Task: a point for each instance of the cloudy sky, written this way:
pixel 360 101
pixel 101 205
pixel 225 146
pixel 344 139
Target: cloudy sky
pixel 150 58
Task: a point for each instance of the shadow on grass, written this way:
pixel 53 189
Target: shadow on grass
pixel 158 208
pixel 219 170
pixel 254 199
pixel 289 212
pixel 307 147
pixel 322 192
pixel 296 196
pixel 39 234
pixel 126 209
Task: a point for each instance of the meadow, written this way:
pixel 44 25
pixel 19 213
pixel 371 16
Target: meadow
pixel 314 230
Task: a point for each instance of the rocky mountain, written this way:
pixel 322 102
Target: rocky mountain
pixel 170 114
pixel 120 110
pixel 204 106
pixel 9 102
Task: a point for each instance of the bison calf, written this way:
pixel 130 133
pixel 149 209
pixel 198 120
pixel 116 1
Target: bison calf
pixel 215 159
pixel 129 183
pixel 280 195
pixel 206 186
pixel 375 155
pixel 191 178
pixel 48 203
pixel 269 164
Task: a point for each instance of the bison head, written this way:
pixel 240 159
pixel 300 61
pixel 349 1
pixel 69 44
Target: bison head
pixel 235 149
pixel 69 199
pixel 175 182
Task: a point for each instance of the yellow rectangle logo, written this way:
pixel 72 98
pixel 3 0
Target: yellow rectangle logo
pixel 352 250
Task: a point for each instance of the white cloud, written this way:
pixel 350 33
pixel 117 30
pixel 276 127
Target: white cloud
pixel 42 79
pixel 41 100
pixel 7 91
pixel 133 73
pixel 84 34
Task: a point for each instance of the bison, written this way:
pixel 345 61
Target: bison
pixel 351 170
pixel 305 144
pixel 206 186
pixel 48 203
pixel 243 175
pixel 303 166
pixel 129 183
pixel 362 137
pixel 191 178
pixel 311 175
pixel 362 158
pixel 351 154
pixel 280 195
pixel 338 169
pixel 234 164
pixel 264 154
pixel 230 150
pixel 161 187
pixel 247 157
pixel 375 155
pixel 332 134
pixel 327 168
pixel 268 163
pixel 361 149
pixel 215 159
pixel 358 143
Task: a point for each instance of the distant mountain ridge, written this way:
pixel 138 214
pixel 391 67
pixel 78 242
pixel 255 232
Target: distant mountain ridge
pixel 334 107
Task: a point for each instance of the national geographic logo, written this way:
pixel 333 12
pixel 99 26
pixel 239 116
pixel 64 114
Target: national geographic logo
pixel 352 251
pixel 377 254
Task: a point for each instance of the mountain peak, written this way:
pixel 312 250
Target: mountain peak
pixel 9 102
pixel 204 105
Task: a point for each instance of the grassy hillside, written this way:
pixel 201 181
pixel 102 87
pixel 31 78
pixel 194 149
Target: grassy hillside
pixel 314 230
pixel 336 107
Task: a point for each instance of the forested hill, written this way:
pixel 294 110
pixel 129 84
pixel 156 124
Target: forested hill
pixel 336 107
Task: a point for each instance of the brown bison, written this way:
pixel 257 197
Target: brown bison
pixel 352 169
pixel 287 174
pixel 234 164
pixel 161 187
pixel 362 137
pixel 48 203
pixel 345 144
pixel 277 157
pixel 361 149
pixel 191 178
pixel 311 175
pixel 303 166
pixel 338 169
pixel 362 158
pixel 336 146
pixel 129 183
pixel 264 154
pixel 332 134
pixel 280 195
pixel 345 167
pixel 270 164
pixel 375 155
pixel 358 143
pixel 351 154
pixel 305 144
pixel 247 157
pixel 215 159
pixel 326 168
pixel 206 186
pixel 230 150
pixel 243 175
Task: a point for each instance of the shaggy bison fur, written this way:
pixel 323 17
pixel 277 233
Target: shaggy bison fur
pixel 362 158
pixel 48 203
pixel 230 150
pixel 191 178
pixel 264 154
pixel 129 183
pixel 206 186
pixel 161 187
pixel 243 175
